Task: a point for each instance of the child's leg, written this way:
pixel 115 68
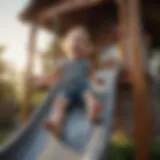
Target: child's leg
pixel 93 107
pixel 54 124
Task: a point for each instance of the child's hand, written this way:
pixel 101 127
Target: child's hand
pixel 98 81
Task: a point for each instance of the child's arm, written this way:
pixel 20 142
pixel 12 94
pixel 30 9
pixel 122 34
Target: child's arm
pixel 47 80
pixel 92 75
pixel 107 64
pixel 53 77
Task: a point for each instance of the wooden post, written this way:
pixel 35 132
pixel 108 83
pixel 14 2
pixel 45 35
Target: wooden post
pixel 123 19
pixel 141 102
pixel 123 22
pixel 28 74
pixel 123 37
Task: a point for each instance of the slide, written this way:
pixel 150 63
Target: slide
pixel 81 140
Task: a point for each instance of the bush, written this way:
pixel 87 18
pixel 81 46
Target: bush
pixel 121 152
pixel 37 98
pixel 3 135
pixel 158 61
pixel 7 103
pixel 155 151
pixel 127 152
pixel 121 148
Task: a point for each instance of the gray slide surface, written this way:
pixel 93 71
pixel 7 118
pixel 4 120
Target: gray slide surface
pixel 77 134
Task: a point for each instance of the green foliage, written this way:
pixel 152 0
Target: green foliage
pixel 122 148
pixel 127 152
pixel 8 104
pixel 3 135
pixel 7 92
pixel 38 98
pixel 52 55
pixel 155 151
pixel 121 152
pixel 158 61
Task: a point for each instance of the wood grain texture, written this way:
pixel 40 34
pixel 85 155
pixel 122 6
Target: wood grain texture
pixel 140 95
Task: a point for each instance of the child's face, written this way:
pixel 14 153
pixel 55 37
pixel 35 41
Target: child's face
pixel 78 46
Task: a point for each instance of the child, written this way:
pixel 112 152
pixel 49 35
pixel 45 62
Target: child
pixel 75 72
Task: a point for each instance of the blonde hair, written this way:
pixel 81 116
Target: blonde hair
pixel 76 31
pixel 80 31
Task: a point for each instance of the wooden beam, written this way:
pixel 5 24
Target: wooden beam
pixel 65 7
pixel 123 19
pixel 141 101
pixel 28 74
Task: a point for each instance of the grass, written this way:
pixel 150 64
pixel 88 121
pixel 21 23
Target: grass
pixel 121 152
pixel 121 148
pixel 3 135
pixel 127 152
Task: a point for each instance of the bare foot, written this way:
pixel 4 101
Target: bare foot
pixel 52 127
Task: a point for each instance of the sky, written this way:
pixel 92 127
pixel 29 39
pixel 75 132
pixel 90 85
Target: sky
pixel 14 33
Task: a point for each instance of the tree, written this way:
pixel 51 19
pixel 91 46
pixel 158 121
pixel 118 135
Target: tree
pixel 51 56
pixel 7 92
pixel 2 64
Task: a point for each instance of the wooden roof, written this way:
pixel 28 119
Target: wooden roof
pixel 65 13
pixel 151 19
pixel 44 11
pixel 67 7
pixel 33 7
pixel 48 8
